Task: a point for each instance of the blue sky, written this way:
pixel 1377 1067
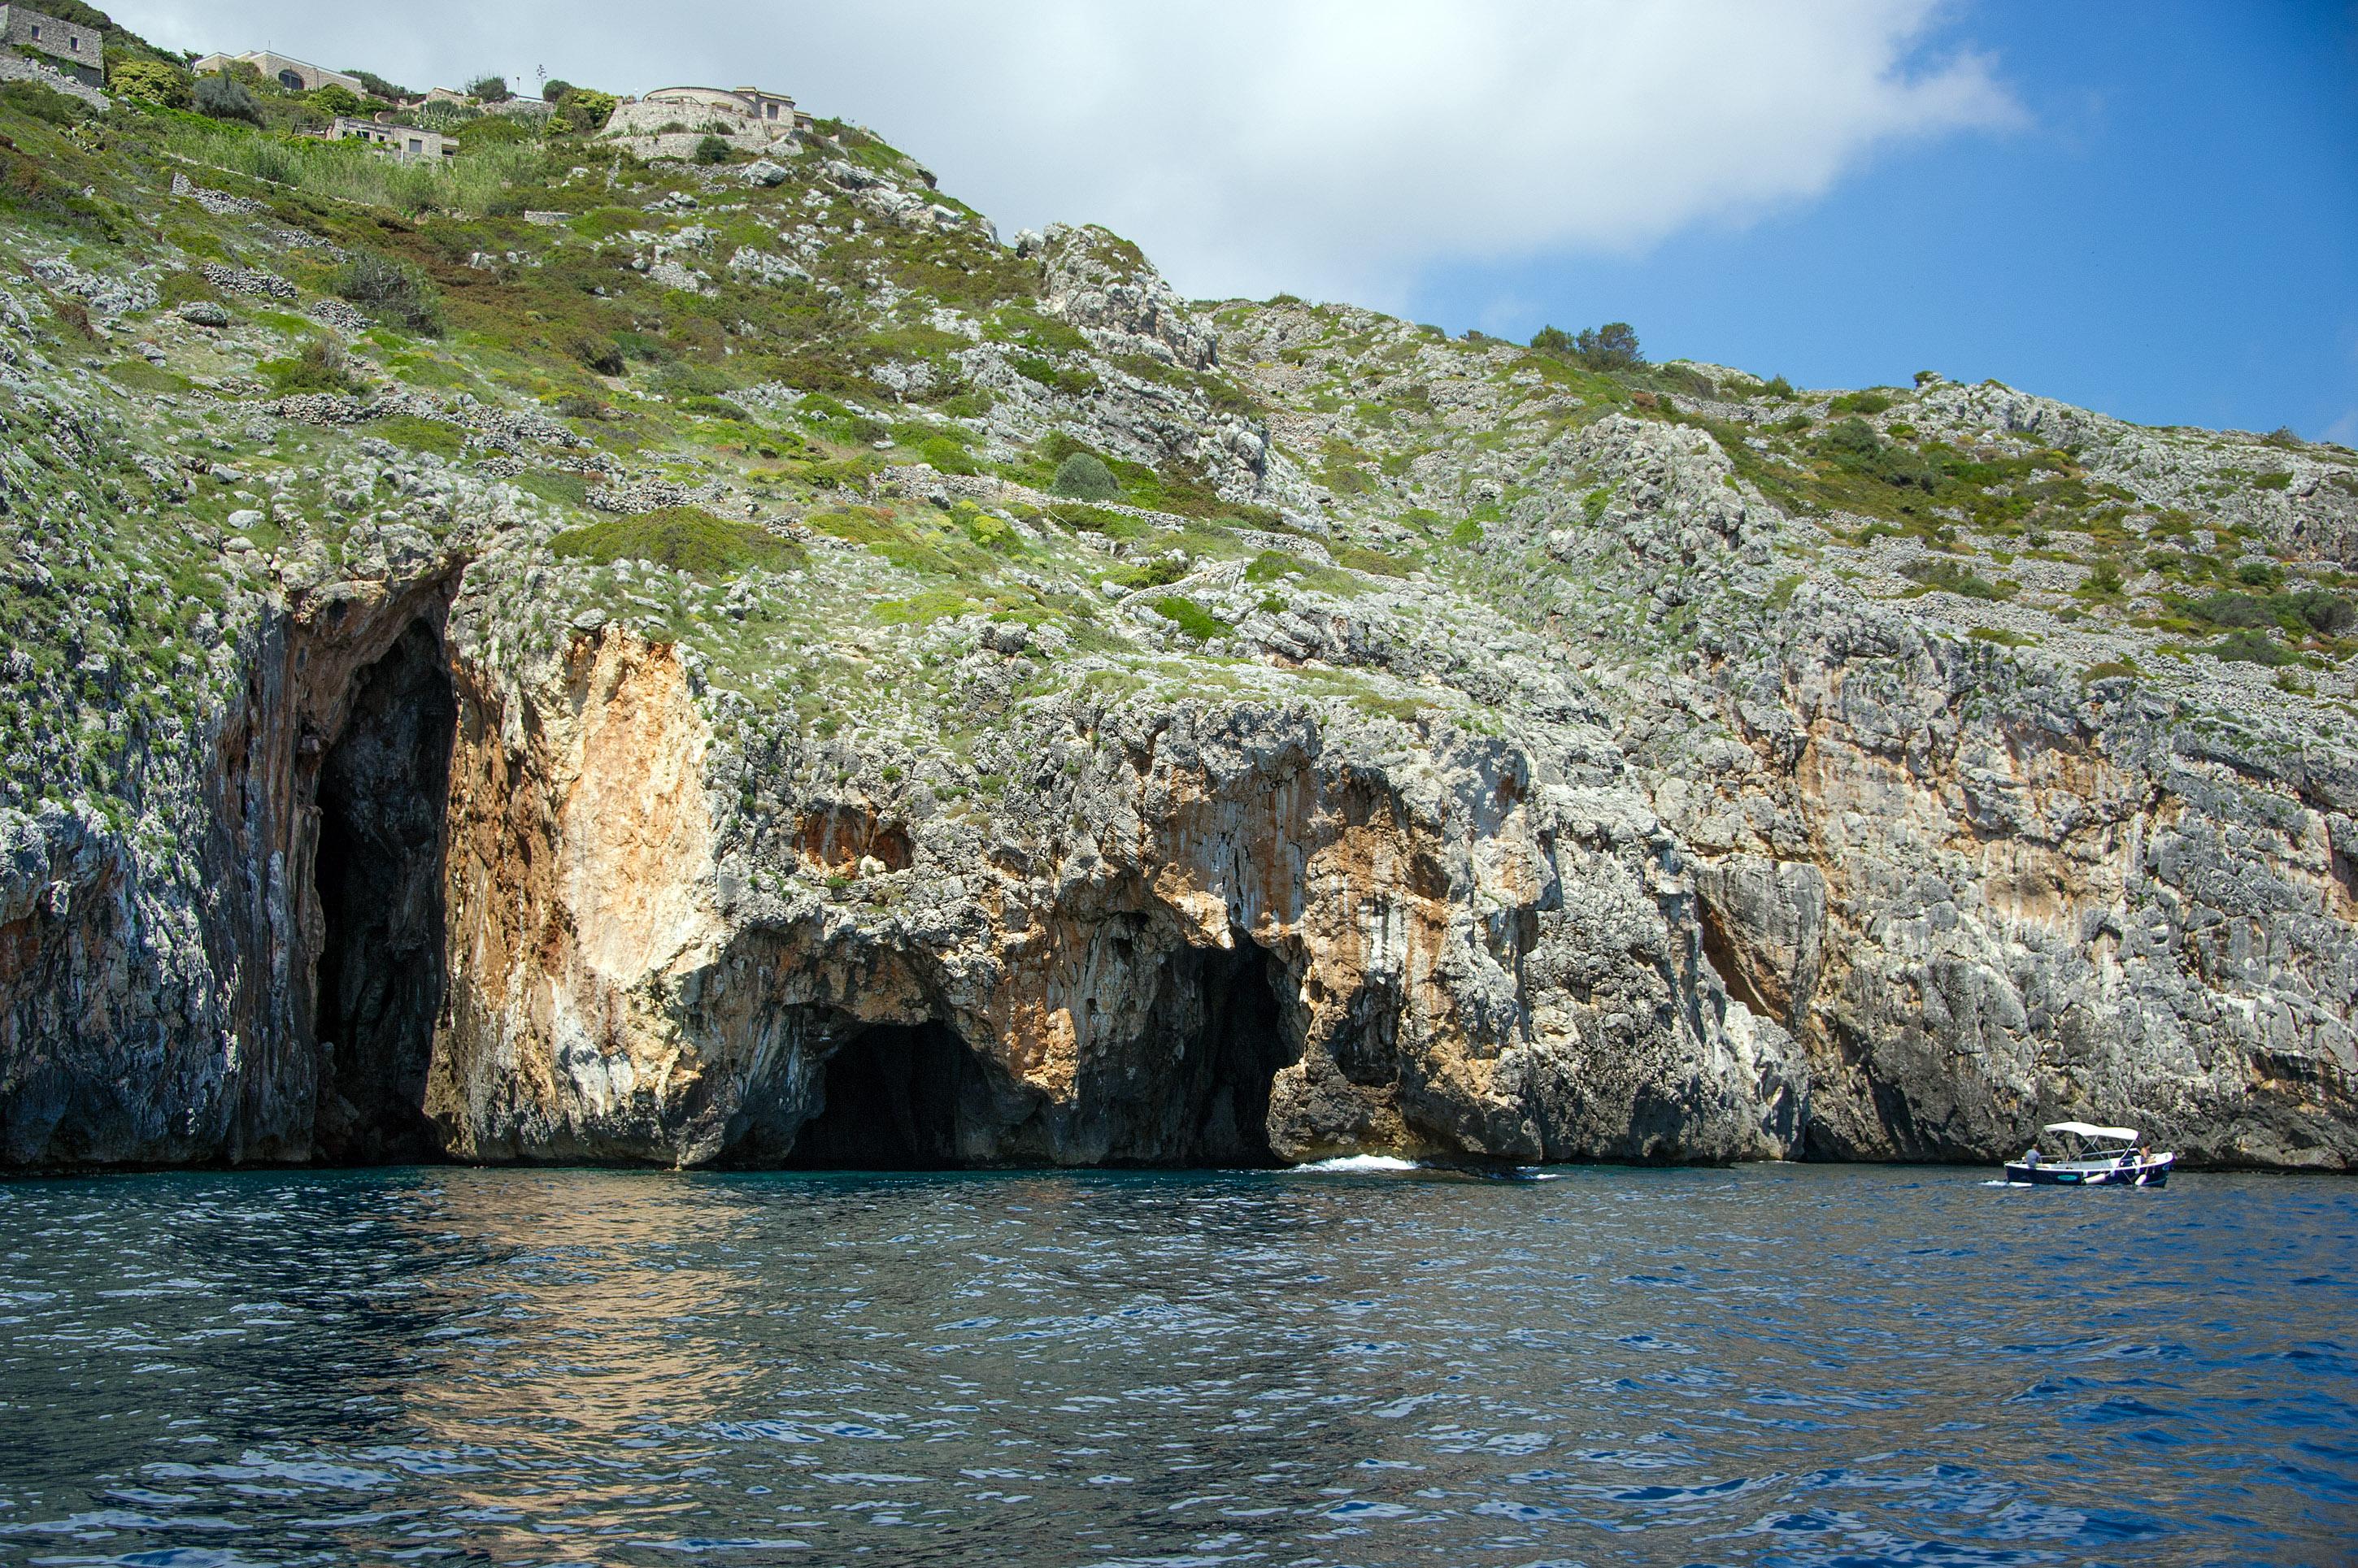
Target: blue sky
pixel 2170 235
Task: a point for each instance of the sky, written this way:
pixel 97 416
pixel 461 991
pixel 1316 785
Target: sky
pixel 2148 207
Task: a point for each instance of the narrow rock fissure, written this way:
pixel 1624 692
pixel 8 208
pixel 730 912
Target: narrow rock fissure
pixel 382 796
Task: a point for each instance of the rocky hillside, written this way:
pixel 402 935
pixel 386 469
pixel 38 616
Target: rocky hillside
pixel 565 658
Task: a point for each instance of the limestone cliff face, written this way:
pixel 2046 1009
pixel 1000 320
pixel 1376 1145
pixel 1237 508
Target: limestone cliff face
pixel 1979 902
pixel 1215 935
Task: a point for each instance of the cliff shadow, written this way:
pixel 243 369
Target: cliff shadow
pixel 383 797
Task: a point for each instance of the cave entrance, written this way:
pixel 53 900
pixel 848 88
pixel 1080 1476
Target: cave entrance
pixel 383 801
pixel 899 1098
pixel 1242 1046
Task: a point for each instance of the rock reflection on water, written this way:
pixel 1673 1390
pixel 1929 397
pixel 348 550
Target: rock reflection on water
pixel 1783 1364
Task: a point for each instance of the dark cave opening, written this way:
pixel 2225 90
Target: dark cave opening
pixel 383 801
pixel 1242 1044
pixel 899 1098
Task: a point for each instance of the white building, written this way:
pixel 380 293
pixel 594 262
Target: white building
pixel 295 75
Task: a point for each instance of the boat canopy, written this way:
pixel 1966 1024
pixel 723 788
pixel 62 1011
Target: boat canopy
pixel 2087 1129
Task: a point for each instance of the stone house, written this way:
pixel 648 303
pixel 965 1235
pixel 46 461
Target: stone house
pixel 670 121
pixel 72 49
pixel 295 75
pixel 410 143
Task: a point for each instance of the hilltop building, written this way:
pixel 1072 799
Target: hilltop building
pixel 410 143
pixel 670 121
pixel 295 75
pixel 72 49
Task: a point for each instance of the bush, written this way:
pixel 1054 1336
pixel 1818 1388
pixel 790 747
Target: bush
pixel 2283 437
pixel 2250 648
pixel 1085 477
pixel 1613 346
pixel 489 89
pixel 586 108
pixel 336 99
pixel 1192 618
pixel 392 290
pixel 555 90
pixel 1777 387
pixel 2324 612
pixel 2235 610
pixel 946 454
pixel 153 81
pixel 1954 576
pixel 712 149
pixel 42 104
pixel 320 367
pixel 685 538
pixel 376 86
pixel 1860 402
pixel 225 100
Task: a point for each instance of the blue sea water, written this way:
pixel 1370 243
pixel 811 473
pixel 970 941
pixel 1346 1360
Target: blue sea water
pixel 1771 1365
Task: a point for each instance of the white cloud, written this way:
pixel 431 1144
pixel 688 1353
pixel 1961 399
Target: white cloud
pixel 1334 148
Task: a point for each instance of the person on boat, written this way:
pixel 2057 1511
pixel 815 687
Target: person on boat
pixel 2032 1158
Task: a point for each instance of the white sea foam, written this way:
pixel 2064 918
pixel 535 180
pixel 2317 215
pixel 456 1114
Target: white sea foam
pixel 1352 1164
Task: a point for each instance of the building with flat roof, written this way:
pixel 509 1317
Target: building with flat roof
pixel 410 143
pixel 77 50
pixel 295 75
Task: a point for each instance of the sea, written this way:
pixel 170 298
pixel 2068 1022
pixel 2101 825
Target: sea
pixel 1362 1363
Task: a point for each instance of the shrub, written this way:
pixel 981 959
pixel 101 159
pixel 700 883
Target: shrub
pixel 392 290
pixel 686 538
pixel 2283 437
pixel 711 150
pixel 1777 387
pixel 2233 609
pixel 42 104
pixel 376 86
pixel 1860 402
pixel 489 89
pixel 1613 346
pixel 601 355
pixel 320 367
pixel 1192 618
pixel 2111 669
pixel 153 81
pixel 2325 613
pixel 336 99
pixel 1952 577
pixel 1085 477
pixel 2250 648
pixel 556 90
pixel 586 108
pixel 1926 377
pixel 946 454
pixel 225 100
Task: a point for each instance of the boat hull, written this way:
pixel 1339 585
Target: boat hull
pixel 2153 1172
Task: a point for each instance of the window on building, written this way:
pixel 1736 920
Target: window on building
pixel 416 145
pixel 773 111
pixel 74 44
pixel 291 80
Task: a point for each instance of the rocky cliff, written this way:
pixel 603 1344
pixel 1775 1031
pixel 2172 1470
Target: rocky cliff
pixel 740 666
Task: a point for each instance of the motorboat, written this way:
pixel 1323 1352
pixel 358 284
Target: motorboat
pixel 2080 1154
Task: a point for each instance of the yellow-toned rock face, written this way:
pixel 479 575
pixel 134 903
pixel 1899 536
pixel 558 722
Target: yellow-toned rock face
pixel 579 879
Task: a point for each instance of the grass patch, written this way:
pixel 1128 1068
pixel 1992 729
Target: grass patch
pixel 1192 618
pixel 420 434
pixel 685 538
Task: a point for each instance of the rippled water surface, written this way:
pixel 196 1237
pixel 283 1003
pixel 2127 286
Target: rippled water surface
pixel 1772 1364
